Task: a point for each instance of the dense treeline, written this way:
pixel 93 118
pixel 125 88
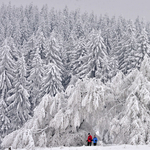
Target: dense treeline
pixel 42 50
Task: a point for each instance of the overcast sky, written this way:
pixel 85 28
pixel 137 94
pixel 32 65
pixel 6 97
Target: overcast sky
pixel 129 9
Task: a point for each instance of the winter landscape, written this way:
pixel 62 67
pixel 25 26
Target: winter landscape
pixel 64 74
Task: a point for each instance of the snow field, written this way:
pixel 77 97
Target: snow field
pixel 115 147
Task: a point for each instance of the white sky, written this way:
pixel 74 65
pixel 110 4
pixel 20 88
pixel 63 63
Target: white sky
pixel 129 9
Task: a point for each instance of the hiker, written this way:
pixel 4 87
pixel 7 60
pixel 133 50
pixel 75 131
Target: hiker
pixel 94 140
pixel 89 140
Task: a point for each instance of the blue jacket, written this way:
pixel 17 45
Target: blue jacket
pixel 94 140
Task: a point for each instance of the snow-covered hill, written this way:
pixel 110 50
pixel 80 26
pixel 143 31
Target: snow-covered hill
pixel 118 112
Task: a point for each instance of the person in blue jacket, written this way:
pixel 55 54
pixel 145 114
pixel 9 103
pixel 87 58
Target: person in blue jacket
pixel 94 140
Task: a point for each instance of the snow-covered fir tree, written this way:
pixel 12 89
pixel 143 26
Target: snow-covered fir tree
pixel 143 47
pixel 18 97
pixel 52 81
pixel 7 76
pixel 126 50
pixel 36 78
pixel 53 51
pixel 95 62
pixel 76 54
pixel 29 52
pixel 40 42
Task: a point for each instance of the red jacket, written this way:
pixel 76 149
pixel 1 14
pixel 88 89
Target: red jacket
pixel 89 138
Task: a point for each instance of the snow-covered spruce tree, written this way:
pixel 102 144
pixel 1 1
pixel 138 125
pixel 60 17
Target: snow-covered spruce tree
pixel 64 59
pixel 92 64
pixel 126 49
pixel 70 48
pixel 53 50
pixel 6 17
pixel 44 21
pixel 145 67
pixel 1 34
pixel 17 33
pixel 31 12
pixel 24 30
pixel 7 76
pixel 52 81
pixel 77 53
pixel 29 52
pixel 53 20
pixel 143 47
pixel 131 126
pixel 68 54
pixel 14 48
pixel 65 24
pixel 40 42
pixel 139 24
pixel 109 33
pixel 36 78
pixel 18 97
pixel 85 23
pixel 78 29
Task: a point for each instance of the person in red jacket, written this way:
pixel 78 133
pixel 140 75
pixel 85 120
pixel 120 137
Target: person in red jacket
pixel 89 139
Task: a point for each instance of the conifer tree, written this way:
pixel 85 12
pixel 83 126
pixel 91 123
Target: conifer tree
pixel 40 42
pixel 35 78
pixel 18 97
pixel 7 76
pixel 29 52
pixel 126 50
pixel 52 83
pixel 95 59
pixel 143 47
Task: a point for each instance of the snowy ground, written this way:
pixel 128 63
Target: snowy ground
pixel 120 147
